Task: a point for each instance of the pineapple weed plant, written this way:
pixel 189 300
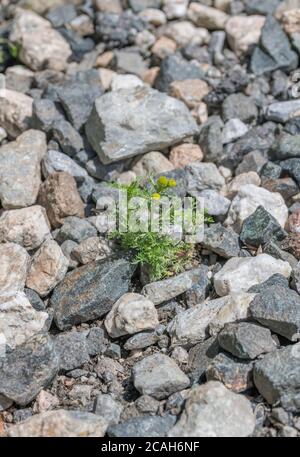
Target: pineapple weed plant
pixel 160 253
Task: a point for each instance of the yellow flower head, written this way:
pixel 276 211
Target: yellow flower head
pixel 172 183
pixel 156 196
pixel 163 181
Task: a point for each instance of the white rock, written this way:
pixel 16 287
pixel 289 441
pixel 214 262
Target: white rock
pixel 41 46
pixel 153 16
pixel 14 263
pixel 243 32
pixel 28 227
pixel 19 321
pixel 48 268
pixel 131 314
pixel 241 180
pixel 57 161
pixel 15 111
pixel 190 327
pixel 3 134
pixel 233 130
pixel 175 9
pixel 240 273
pixel 125 82
pixel 248 198
pixel 20 169
pixel 212 410
pixel 185 33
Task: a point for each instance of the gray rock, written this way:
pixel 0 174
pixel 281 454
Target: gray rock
pixel 211 139
pixel 215 204
pixel 239 106
pixel 140 5
pixel 272 248
pixel 44 114
pixel 90 291
pixel 67 248
pixel 286 147
pixel 200 357
pixel 292 167
pixel 72 350
pixel 253 161
pixel 246 340
pixel 96 341
pixel 235 374
pixel 141 340
pixel 147 404
pixel 274 50
pixel 260 227
pixel 108 408
pixel 129 60
pixel 211 410
pixel 277 377
pixel 61 15
pixel 69 139
pixel 274 280
pixel 35 300
pixel 28 369
pixel 282 111
pixel 223 241
pixel 159 376
pixel 143 426
pixel 278 308
pixel 57 161
pixel 198 292
pixel 75 229
pixel 201 176
pixel 233 130
pixel 138 115
pixel 261 7
pixel 270 170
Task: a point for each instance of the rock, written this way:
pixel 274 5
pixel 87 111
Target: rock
pixel 56 161
pixel 277 377
pixel 206 413
pixel 44 114
pixel 210 138
pixel 15 112
pixel 243 32
pixel 68 138
pixel 45 402
pixel 163 47
pixel 286 147
pixel 60 423
pixel 260 227
pixel 235 308
pixel 147 110
pixel 240 273
pixel 130 61
pixel 175 68
pixel 89 292
pixel 214 203
pixel 61 15
pixel 28 369
pixel 222 241
pixel 143 426
pixel 35 300
pixel 166 289
pixel 233 130
pixel 41 46
pixel 125 82
pixel 48 267
pixel 13 268
pixel 153 16
pixel 75 229
pixel 19 321
pixel 96 341
pixel 28 227
pixel 292 167
pixel 72 350
pixel 131 314
pixel 277 307
pixel 201 176
pixel 190 91
pixel 282 111
pixel 205 16
pixel 242 180
pixel 184 154
pixel 141 340
pixel 253 161
pixel 274 51
pixel 235 374
pixel 247 200
pixel 108 408
pixel 90 250
pixel 19 78
pixel 239 106
pixel 152 163
pixel 246 340
pixel 191 326
pixel 200 357
pixel 159 376
pixel 59 196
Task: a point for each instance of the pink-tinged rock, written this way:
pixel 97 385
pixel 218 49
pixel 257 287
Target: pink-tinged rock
pixel 184 154
pixel 243 32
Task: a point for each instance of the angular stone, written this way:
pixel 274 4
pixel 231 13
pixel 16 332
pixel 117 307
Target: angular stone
pixel 214 203
pixel 190 91
pixel 278 308
pixel 44 114
pixel 152 163
pixel 239 106
pixel 48 267
pixel 28 369
pixel 41 46
pixel 72 350
pixel 243 32
pixel 35 300
pixel 235 374
pixel 205 16
pixel 158 376
pixel 242 180
pixel 141 340
pixel 184 154
pixel 143 426
pixel 206 413
pixel 286 147
pixel 184 33
pixel 246 340
pixel 240 273
pixel 131 314
pixel 68 138
pixel 277 377
pixel 13 267
pixel 60 424
pixel 233 130
pixel 90 291
pixel 28 227
pixel 222 241
pixel 137 126
pixel 75 229
pixel 19 321
pixel 200 357
pixel 201 176
pixel 108 408
pixel 59 196
pixel 57 161
pixel 282 111
pixel 90 250
pixel 15 112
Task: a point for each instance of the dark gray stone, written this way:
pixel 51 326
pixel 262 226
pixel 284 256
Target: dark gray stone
pixel 292 167
pixel 246 340
pixel 75 229
pixel 286 147
pixel 274 280
pixel 129 60
pixel 72 350
pixel 260 227
pixel 141 340
pixel 198 292
pixel 44 114
pixel 239 106
pixel 90 291
pixel 68 138
pixel 261 6
pixel 143 426
pixel 200 357
pixel 175 68
pixel 35 299
pixel 28 369
pixel 223 241
pixel 96 341
pixel 210 138
pixel 273 248
pixel 270 170
pixel 277 377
